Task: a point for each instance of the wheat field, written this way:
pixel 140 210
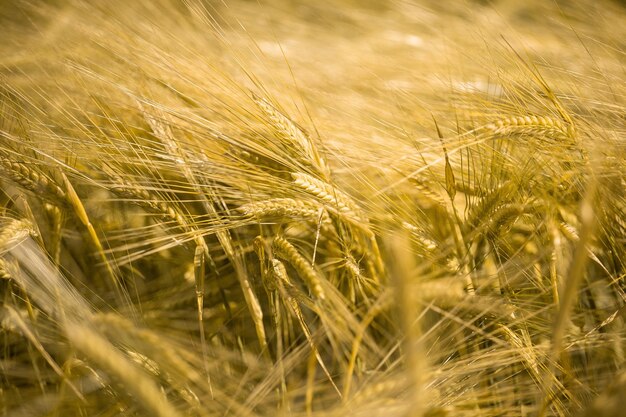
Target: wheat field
pixel 298 208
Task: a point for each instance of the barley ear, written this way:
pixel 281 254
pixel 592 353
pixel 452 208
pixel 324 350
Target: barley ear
pixel 293 134
pixel 285 250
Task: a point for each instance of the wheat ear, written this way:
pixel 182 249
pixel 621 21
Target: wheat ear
pixel 290 132
pixel 528 124
pixel 14 231
pixel 4 273
pixel 330 195
pixel 283 207
pixel 111 360
pixel 286 289
pixel 152 204
pixel 144 199
pixel 16 319
pixel 31 179
pixel 418 235
pixel 289 253
pixel 115 324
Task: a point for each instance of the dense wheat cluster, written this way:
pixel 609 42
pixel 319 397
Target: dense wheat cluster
pixel 260 208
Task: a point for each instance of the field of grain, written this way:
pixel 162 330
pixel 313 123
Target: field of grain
pixel 300 208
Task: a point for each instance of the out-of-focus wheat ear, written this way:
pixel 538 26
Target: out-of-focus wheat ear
pixel 310 382
pixel 450 181
pixel 377 257
pixel 444 292
pixel 31 334
pixel 318 230
pixel 418 235
pixel 56 233
pixel 569 231
pixel 80 212
pixel 382 388
pixel 576 268
pixel 29 215
pixel 571 234
pixel 293 134
pixel 462 254
pixel 427 197
pixel 367 284
pixel 382 304
pixel 610 403
pixel 165 354
pixel 523 346
pixel 161 130
pixel 575 274
pixel 101 352
pixel 285 250
pixel 164 133
pixel 492 273
pixel 353 268
pixel 403 272
pixel 556 277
